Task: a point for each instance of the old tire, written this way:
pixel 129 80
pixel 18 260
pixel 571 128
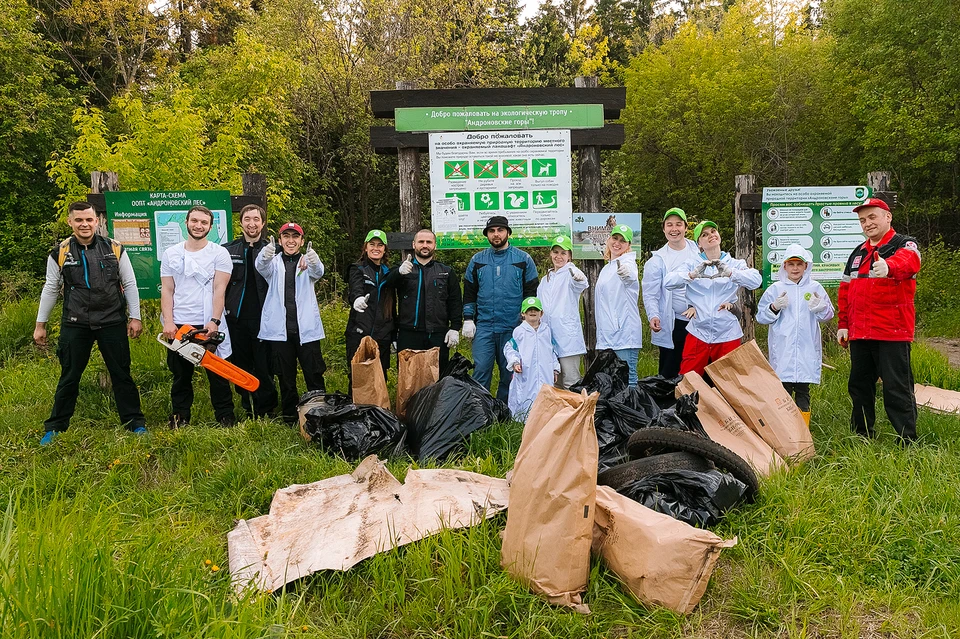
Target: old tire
pixel 655 441
pixel 622 474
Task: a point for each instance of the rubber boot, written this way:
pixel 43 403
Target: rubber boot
pixel 806 417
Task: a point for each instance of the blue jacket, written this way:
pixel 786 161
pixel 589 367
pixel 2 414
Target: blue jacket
pixel 495 285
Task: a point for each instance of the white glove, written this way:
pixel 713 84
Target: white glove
pixel 816 303
pixel 698 272
pixel 360 304
pixel 781 302
pixel 270 250
pixel 724 270
pixel 623 271
pixel 469 329
pixel 879 268
pixel 452 339
pixel 312 258
pixel 578 275
pixel 407 267
pixel 842 336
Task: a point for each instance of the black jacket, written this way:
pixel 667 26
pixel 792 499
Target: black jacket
pixel 428 298
pixel 366 278
pixel 92 294
pixel 237 288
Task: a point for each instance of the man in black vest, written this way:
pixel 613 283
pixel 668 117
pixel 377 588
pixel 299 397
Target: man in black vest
pixel 243 308
pixel 99 293
pixel 430 304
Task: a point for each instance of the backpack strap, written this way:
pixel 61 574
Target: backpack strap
pixel 64 249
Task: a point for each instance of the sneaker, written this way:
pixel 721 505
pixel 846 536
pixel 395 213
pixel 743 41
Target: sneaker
pixel 227 422
pixel 140 430
pixel 48 437
pixel 176 421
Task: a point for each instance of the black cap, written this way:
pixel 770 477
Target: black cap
pixel 497 220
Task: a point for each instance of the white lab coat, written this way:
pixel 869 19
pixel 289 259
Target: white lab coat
pixel 657 298
pixel 273 321
pixel 560 295
pixel 534 349
pixel 616 306
pixel 794 343
pixel 711 325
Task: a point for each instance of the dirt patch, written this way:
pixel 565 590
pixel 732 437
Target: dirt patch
pixel 950 348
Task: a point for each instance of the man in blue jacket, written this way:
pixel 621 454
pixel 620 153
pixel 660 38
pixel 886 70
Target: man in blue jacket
pixel 497 281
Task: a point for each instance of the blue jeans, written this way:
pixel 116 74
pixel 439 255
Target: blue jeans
pixel 487 348
pixel 630 355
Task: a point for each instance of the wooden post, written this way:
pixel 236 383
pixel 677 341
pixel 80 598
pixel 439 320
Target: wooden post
pixel 101 182
pixel 255 184
pixel 588 170
pixel 408 164
pixel 745 241
pixel 879 180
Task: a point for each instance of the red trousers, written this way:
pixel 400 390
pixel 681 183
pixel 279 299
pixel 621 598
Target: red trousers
pixel 697 354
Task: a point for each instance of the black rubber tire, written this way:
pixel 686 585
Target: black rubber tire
pixel 655 441
pixel 622 474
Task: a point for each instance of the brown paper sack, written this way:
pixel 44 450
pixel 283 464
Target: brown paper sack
pixel 415 370
pixel 748 383
pixel 546 543
pixel 369 385
pixel 661 561
pixel 725 427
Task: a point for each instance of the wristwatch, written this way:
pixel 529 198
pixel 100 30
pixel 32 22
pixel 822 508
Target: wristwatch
pixel 215 321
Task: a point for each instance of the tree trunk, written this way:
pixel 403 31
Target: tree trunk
pixel 101 182
pixel 745 241
pixel 408 164
pixel 588 170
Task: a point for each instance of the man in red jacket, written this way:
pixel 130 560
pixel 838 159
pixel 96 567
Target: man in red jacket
pixel 877 319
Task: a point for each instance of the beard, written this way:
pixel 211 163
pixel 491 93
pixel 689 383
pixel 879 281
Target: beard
pixel 195 236
pixel 497 243
pixel 426 253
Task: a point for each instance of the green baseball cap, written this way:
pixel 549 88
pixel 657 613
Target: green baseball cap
pixel 624 230
pixel 376 234
pixel 674 211
pixel 699 229
pixel 563 242
pixel 531 302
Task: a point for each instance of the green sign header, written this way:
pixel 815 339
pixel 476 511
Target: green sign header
pixel 550 116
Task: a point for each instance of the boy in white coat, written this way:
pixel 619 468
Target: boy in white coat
pixel 291 317
pixel 531 356
pixel 794 307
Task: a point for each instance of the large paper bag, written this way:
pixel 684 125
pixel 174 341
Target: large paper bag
pixel 748 383
pixel 369 385
pixel 725 427
pixel 546 544
pixel 661 561
pixel 415 370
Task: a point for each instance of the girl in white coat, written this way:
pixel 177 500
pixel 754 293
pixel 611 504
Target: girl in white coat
pixel 666 308
pixel 531 356
pixel 291 317
pixel 560 292
pixel 794 307
pixel 616 301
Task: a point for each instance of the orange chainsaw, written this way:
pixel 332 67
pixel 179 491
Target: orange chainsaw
pixel 198 347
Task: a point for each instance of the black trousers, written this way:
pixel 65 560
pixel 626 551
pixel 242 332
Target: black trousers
pixel 801 394
pixel 181 391
pixel 285 358
pixel 670 358
pixel 422 341
pixel 890 362
pixel 353 345
pixel 253 355
pixel 73 351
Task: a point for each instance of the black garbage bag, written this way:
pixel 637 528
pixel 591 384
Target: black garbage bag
pixel 458 365
pixel 607 375
pixel 699 499
pixel 618 417
pixel 683 416
pixel 660 388
pixel 642 406
pixel 441 416
pixel 352 430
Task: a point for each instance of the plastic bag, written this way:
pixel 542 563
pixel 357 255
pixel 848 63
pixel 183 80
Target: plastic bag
pixel 617 418
pixel 441 416
pixel 351 430
pixel 699 499
pixel 607 375
pixel 683 416
pixel 660 388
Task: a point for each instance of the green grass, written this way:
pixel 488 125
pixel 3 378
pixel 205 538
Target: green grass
pixel 106 535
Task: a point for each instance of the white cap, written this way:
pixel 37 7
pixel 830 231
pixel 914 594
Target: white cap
pixel 795 250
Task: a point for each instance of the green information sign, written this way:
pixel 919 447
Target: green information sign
pixel 148 223
pixel 557 116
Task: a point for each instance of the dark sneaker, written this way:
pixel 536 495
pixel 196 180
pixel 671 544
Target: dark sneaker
pixel 48 437
pixel 227 422
pixel 176 421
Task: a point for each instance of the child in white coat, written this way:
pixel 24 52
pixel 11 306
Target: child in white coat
pixel 531 356
pixel 560 291
pixel 794 307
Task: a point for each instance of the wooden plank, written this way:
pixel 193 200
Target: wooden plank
pixel 384 139
pixel 400 241
pixel 613 99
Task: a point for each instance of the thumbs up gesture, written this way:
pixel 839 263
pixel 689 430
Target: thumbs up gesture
pixel 879 268
pixel 312 258
pixel 816 303
pixel 360 304
pixel 270 250
pixel 407 267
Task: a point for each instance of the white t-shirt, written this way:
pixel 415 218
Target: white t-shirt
pixel 192 273
pixel 673 260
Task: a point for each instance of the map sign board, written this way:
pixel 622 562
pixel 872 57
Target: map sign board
pixel 147 223
pixel 591 230
pixel 557 116
pixel 820 219
pixel 522 175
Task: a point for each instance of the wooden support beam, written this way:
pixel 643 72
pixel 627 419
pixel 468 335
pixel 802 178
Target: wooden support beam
pixel 384 103
pixel 745 243
pixel 408 165
pixel 384 139
pixel 588 201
